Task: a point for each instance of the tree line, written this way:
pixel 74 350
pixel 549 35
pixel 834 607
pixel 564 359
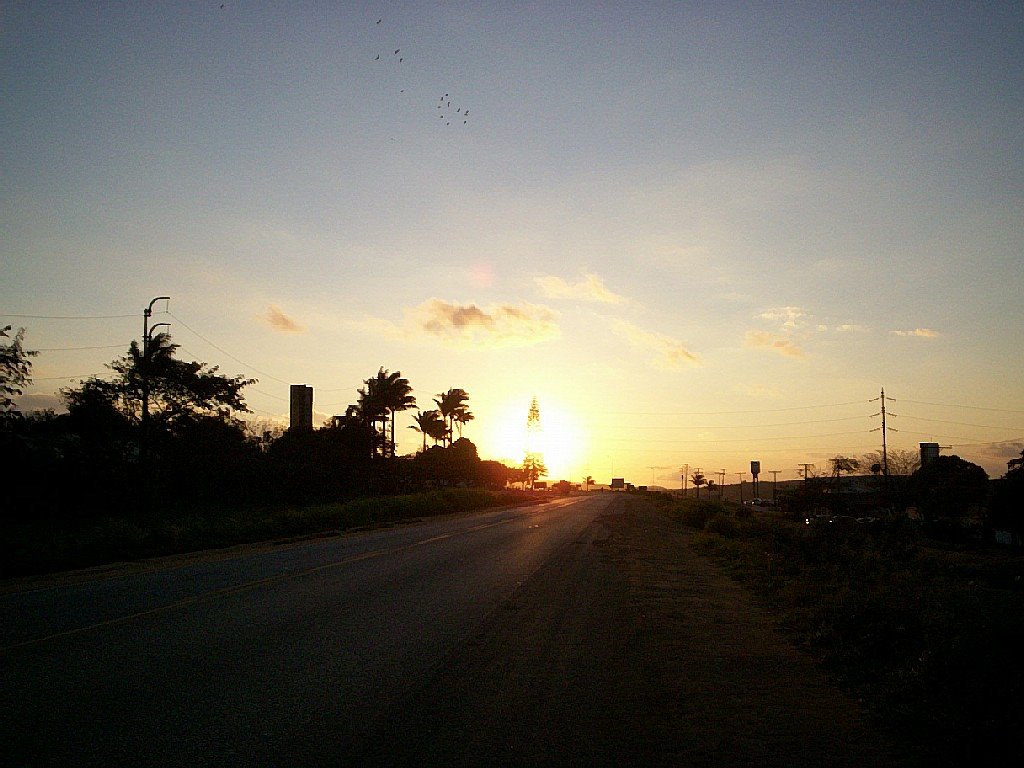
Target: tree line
pixel 158 433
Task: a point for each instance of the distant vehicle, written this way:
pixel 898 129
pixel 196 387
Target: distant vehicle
pixel 760 503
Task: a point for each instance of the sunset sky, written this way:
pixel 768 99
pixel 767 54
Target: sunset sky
pixel 698 233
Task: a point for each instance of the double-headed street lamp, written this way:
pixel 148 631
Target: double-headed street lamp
pixel 144 370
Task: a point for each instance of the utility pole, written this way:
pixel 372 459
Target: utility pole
pixel 740 476
pixel 884 429
pixel 721 484
pixel 885 451
pixel 686 471
pixel 144 373
pixel 805 471
pixel 775 481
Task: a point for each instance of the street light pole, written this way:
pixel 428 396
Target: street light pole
pixel 144 373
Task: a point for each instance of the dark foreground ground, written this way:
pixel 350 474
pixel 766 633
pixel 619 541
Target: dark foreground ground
pixel 583 632
pixel 628 649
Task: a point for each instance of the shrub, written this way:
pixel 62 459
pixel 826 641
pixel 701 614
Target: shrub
pixel 721 525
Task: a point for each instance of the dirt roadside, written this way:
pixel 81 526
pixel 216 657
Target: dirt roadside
pixel 628 649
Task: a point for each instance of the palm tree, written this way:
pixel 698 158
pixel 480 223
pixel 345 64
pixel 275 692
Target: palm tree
pixel 461 416
pixel 387 393
pixel 429 424
pixel 452 406
pixel 371 409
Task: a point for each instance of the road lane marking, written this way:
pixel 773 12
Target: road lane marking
pixel 432 539
pixel 238 588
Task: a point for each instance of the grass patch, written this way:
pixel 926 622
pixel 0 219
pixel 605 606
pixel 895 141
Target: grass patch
pixel 930 639
pixel 48 546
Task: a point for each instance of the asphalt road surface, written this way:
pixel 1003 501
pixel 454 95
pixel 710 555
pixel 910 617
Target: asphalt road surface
pixel 557 634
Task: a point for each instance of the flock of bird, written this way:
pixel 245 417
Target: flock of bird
pixel 444 103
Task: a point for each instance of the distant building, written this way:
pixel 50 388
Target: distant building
pixel 929 451
pixel 618 483
pixel 301 411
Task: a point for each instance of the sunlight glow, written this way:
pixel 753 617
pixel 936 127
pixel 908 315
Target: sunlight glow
pixel 560 441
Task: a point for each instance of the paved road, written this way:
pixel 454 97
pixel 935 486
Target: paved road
pixel 296 655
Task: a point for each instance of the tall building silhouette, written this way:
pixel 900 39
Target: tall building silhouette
pixel 301 411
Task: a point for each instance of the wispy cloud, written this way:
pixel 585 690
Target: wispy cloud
pixel 783 345
pixel 922 333
pixel 590 288
pixel 279 321
pixel 669 352
pixel 790 317
pixel 851 328
pixel 792 323
pixel 520 324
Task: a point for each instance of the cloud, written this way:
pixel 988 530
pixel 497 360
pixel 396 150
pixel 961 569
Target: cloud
pixel 781 344
pixel 590 288
pixel 499 325
pixel 789 316
pixel 670 353
pixel 851 328
pixel 279 321
pixel 922 333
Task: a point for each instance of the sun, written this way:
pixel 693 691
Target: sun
pixel 559 441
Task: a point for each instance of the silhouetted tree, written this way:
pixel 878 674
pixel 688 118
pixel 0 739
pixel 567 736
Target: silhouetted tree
pixel 15 370
pixel 177 390
pixel 453 409
pixel 453 465
pixel 397 397
pixel 1007 508
pixel 901 462
pixel 370 408
pixel 698 479
pixel 429 424
pixel 494 474
pixel 383 396
pixel 193 428
pixel 533 468
pixel 947 486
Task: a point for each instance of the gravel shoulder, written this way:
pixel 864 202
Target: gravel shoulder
pixel 627 649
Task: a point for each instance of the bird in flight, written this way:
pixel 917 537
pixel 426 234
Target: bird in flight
pixel 379 20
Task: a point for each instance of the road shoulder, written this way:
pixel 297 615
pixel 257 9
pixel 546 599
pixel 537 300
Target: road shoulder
pixel 628 648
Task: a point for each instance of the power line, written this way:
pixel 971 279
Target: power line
pixel 731 440
pixel 68 317
pixel 750 426
pixel 933 436
pixel 959 405
pixel 957 423
pixel 61 378
pixel 224 351
pixel 76 349
pixel 728 413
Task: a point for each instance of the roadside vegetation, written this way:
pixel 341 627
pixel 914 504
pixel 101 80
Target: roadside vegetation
pixel 155 458
pixel 33 547
pixel 927 633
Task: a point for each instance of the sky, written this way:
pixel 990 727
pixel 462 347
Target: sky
pixel 700 234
